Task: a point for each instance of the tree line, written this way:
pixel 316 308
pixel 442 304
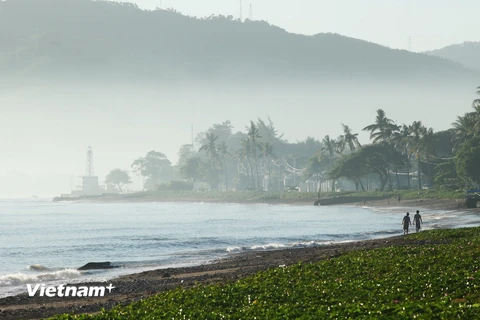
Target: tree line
pixel 258 158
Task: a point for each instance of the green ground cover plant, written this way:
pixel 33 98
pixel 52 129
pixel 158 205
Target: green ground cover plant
pixel 433 275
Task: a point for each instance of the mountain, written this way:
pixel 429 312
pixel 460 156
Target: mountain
pixel 466 54
pixel 79 73
pixel 62 38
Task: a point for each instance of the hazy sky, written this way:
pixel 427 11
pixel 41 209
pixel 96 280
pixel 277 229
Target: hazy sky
pixel 44 145
pixel 432 24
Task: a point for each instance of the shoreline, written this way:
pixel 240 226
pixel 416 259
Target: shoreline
pixel 427 203
pixel 133 287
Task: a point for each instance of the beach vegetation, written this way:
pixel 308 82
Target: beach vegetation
pixel 154 167
pixel 468 161
pixel 258 159
pixel 119 178
pixel 434 274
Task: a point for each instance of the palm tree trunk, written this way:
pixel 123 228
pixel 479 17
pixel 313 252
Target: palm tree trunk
pixel 429 170
pixel 238 176
pixel 390 186
pixel 408 171
pixel 251 172
pixel 226 178
pixel 356 184
pixel 269 174
pixel 361 184
pixel 257 175
pixel 419 174
pixel 383 181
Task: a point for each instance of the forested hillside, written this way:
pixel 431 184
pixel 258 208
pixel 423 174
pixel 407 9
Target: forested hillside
pixel 59 37
pixel 466 53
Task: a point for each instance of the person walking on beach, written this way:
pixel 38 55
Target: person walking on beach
pixel 406 223
pixel 417 219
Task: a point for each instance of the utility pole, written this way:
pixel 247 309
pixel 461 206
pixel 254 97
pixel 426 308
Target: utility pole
pixel 410 43
pixel 241 10
pixel 294 172
pixel 192 138
pixel 250 15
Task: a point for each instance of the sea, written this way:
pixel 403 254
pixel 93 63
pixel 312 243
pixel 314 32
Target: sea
pixel 42 241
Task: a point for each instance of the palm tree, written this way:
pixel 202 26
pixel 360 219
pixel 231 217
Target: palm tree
pixel 253 146
pixel 210 149
pixel 476 102
pixel 464 128
pixel 422 142
pixel 476 117
pixel 267 153
pixel 223 152
pixel 244 154
pixel 428 140
pixel 416 130
pixel 348 138
pixel 383 128
pixel 402 140
pixel 330 148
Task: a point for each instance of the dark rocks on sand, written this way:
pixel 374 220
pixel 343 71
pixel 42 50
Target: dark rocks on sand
pixel 97 265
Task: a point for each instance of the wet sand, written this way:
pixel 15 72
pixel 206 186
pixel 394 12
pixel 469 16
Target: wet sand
pixel 133 287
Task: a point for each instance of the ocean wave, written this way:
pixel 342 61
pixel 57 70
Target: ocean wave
pixel 37 267
pixel 304 244
pixel 268 246
pixel 22 278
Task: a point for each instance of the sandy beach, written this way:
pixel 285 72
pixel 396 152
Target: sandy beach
pixel 133 287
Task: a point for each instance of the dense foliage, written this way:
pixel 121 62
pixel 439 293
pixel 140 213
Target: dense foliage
pixel 259 159
pixel 468 160
pixel 118 177
pixel 433 275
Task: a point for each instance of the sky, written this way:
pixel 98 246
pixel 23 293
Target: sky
pixel 419 25
pixel 47 146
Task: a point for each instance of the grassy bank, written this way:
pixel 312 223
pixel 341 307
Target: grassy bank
pixel 433 275
pixel 294 196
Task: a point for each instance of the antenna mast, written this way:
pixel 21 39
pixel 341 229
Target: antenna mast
pixel 250 16
pixel 192 136
pixel 410 43
pixel 241 10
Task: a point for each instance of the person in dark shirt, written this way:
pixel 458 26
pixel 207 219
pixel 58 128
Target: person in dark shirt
pixel 406 223
pixel 417 220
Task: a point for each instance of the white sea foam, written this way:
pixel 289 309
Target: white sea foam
pixel 268 246
pixel 303 244
pixel 16 279
pixel 234 249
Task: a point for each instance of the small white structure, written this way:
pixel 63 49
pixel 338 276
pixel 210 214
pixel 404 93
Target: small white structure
pixel 89 185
